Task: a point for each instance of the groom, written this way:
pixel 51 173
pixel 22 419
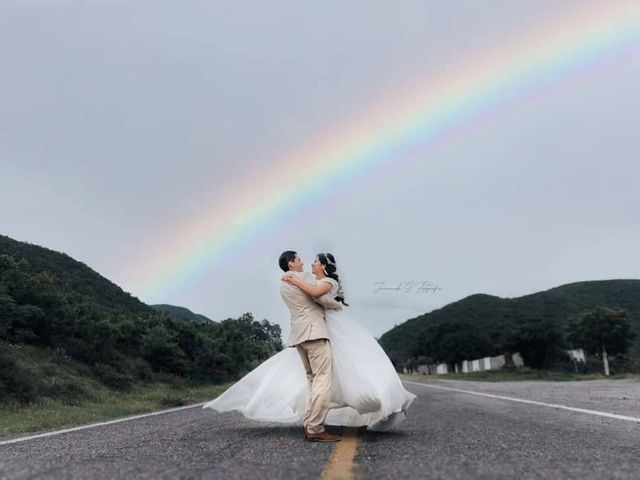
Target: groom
pixel 310 337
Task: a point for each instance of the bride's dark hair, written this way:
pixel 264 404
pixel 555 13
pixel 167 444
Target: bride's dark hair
pixel 328 261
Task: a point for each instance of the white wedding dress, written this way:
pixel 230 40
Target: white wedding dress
pixel 365 389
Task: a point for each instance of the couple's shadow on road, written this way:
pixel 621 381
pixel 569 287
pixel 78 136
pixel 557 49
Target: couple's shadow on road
pixel 365 435
pixel 296 431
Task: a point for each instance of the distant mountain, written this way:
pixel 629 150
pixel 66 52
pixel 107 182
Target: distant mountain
pixel 74 275
pixel 182 313
pixel 493 316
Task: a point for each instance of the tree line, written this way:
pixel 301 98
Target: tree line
pixel 542 341
pixel 120 345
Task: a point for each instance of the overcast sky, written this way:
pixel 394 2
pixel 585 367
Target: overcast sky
pixel 119 119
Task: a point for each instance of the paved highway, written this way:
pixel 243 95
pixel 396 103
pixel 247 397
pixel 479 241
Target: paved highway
pixel 456 430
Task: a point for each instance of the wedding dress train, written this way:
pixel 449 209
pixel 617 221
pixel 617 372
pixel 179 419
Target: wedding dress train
pixel 365 389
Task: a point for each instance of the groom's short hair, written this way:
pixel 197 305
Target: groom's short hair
pixel 285 258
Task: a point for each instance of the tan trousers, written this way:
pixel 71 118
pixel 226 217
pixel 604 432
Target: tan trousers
pixel 316 358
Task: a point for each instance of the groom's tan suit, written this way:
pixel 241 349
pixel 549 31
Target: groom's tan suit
pixel 309 335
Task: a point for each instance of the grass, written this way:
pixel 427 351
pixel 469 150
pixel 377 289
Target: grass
pixel 521 374
pixel 61 393
pixel 49 414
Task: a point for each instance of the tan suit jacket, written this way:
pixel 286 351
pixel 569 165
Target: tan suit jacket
pixel 307 316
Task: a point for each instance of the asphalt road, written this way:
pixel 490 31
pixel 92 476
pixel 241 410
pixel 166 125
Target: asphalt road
pixel 453 435
pixel 449 435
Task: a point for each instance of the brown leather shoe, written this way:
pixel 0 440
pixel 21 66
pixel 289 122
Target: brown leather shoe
pixel 321 437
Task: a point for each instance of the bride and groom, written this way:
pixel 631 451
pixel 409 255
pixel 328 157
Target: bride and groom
pixel 333 371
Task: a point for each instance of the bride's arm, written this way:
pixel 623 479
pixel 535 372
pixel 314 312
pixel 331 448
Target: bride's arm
pixel 307 288
pixel 328 302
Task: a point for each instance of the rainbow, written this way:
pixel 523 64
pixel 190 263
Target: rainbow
pixel 424 112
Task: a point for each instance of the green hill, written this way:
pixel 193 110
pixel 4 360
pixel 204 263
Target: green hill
pixel 64 327
pixel 491 319
pixel 181 312
pixel 74 275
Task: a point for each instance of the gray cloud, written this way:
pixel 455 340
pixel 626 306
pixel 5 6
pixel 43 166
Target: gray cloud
pixel 119 120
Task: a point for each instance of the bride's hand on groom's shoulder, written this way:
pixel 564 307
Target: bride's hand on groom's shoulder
pixel 288 277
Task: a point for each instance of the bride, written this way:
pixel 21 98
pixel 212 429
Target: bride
pixel 365 388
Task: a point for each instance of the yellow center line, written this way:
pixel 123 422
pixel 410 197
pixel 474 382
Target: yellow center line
pixel 340 465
